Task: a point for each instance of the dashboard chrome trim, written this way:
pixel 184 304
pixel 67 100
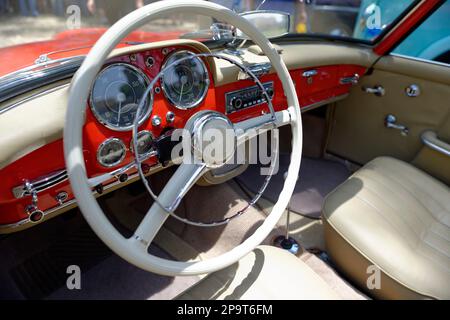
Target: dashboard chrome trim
pixel 150 102
pixel 207 80
pixel 9 228
pixel 41 184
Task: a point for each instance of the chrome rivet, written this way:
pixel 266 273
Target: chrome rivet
pixel 157 90
pixel 165 51
pixel 170 117
pixel 156 121
pixel 133 57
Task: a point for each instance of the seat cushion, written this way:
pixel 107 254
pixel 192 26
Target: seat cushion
pixel 396 217
pixel 266 273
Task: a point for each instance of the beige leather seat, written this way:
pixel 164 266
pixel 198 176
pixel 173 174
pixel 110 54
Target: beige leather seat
pixel 396 217
pixel 266 273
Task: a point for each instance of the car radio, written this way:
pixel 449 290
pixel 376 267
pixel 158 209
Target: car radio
pixel 248 97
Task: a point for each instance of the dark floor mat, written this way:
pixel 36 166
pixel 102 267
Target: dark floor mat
pixel 43 273
pixel 318 178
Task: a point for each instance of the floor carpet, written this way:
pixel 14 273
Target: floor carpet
pixel 34 266
pixel 317 178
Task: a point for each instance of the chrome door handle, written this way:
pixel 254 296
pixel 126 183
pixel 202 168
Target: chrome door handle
pixel 430 139
pixel 309 75
pixel 390 122
pixel 379 91
pixel 350 80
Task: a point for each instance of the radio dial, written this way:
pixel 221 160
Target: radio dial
pixel 236 103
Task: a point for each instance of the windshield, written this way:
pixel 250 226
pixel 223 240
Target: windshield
pixel 81 22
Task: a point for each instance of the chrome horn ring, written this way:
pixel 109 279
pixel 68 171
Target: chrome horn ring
pixel 138 159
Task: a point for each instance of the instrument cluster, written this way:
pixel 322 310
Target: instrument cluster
pixel 183 82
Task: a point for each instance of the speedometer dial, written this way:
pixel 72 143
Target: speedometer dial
pixel 185 83
pixel 116 94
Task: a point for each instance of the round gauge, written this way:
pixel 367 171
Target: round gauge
pixel 111 152
pixel 144 143
pixel 116 94
pixel 185 83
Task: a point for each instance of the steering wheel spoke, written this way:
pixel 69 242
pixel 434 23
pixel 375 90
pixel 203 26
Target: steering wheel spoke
pixel 250 128
pixel 169 199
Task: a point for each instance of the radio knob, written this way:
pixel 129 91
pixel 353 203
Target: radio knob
pixel 236 103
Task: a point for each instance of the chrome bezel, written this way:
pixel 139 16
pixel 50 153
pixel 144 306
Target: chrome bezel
pixel 139 134
pixel 205 74
pixel 149 103
pixel 103 144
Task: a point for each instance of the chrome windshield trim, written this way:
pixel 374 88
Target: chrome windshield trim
pixel 36 76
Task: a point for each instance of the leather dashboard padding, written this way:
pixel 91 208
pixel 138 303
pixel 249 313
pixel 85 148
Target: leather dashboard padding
pixel 358 131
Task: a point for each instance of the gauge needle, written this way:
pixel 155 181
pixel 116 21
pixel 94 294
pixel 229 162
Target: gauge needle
pixel 183 82
pixel 120 111
pixel 181 91
pixel 120 98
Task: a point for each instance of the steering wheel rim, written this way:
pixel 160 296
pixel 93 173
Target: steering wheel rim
pixel 132 249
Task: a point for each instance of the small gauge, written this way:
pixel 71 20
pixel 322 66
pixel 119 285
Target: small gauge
pixel 144 143
pixel 111 152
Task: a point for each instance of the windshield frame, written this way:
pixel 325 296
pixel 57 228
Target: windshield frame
pixel 372 43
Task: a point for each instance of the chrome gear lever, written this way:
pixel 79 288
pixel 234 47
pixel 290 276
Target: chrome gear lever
pixel 285 241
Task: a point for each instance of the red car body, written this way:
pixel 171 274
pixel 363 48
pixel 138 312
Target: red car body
pixel 68 44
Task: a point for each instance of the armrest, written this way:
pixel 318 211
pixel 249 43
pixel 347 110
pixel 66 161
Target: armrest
pixel 430 139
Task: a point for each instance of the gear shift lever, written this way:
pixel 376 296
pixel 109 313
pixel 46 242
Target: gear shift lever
pixel 285 241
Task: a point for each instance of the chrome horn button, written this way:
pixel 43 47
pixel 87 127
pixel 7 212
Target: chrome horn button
pixel 213 138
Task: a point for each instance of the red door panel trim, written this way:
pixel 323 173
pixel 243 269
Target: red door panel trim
pixel 413 19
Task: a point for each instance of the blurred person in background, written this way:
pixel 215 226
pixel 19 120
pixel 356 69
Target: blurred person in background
pixel 28 8
pixel 4 6
pixel 58 7
pixel 114 9
pixel 301 17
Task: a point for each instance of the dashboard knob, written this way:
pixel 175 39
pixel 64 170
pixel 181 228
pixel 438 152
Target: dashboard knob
pixel 236 103
pixel 170 117
pixel 34 214
pixel 156 121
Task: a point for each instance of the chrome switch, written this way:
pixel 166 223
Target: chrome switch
pixel 413 91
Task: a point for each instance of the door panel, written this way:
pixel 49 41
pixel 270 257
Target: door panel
pixel 358 130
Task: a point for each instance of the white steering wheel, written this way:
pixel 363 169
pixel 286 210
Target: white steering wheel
pixel 135 249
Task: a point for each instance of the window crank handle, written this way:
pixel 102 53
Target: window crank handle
pixel 390 122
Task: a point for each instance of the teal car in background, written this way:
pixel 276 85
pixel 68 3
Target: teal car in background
pixel 431 41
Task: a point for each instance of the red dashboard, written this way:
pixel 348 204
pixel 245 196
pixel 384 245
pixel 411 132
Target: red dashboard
pixel 314 86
